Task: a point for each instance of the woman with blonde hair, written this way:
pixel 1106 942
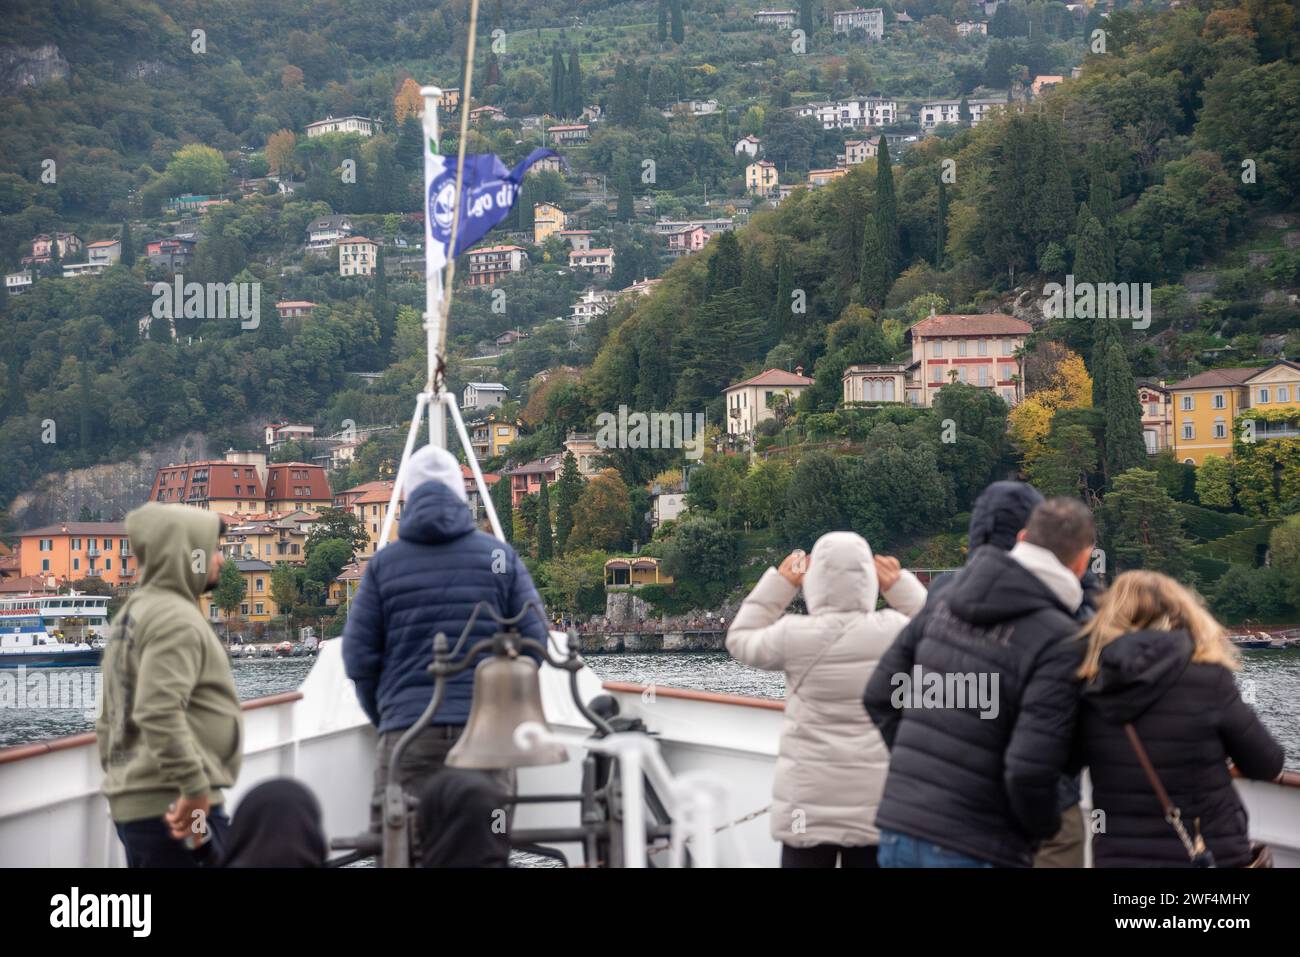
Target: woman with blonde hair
pixel 1160 719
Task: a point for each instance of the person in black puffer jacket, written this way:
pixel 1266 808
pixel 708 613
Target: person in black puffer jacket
pixel 429 580
pixel 972 786
pixel 1157 659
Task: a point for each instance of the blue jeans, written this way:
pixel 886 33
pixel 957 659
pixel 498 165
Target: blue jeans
pixel 903 850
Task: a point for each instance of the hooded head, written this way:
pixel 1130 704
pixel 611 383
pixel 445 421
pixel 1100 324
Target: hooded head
pixel 841 575
pixel 277 824
pixel 1000 512
pixel 457 812
pixel 434 464
pixel 174 545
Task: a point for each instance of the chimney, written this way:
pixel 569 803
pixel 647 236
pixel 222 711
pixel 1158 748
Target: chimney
pixel 798 370
pixel 931 310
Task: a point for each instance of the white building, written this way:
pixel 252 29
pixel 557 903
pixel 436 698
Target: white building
pixel 784 19
pixel 72 270
pixel 590 305
pixel 484 395
pixel 325 233
pixel 749 145
pixel 871 21
pixel 18 281
pixel 857 152
pixel 937 112
pixel 966 28
pixel 599 261
pixel 276 434
pixel 665 227
pixel 363 125
pixel 854 113
pixel 751 402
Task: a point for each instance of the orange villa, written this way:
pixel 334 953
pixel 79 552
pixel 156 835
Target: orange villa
pixel 71 551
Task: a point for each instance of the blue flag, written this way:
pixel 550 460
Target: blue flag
pixel 488 193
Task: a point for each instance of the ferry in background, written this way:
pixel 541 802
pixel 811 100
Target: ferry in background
pixel 52 631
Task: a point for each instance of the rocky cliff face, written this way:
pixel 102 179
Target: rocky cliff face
pixel 112 489
pixel 30 66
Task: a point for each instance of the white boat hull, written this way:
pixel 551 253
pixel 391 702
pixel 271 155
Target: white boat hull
pixel 53 814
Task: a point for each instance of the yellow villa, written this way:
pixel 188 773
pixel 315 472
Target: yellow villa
pixel 257 604
pixel 1207 406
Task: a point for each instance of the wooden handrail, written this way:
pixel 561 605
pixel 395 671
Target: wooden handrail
pixel 689 694
pixel 67 742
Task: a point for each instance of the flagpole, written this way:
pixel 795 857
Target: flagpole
pixel 434 316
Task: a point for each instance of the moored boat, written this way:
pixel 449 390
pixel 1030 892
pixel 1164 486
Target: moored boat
pixel 26 641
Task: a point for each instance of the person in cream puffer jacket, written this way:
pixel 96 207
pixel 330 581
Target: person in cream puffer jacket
pixel 831 767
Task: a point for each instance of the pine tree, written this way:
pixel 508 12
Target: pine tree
pixel 567 489
pixel 1125 448
pixel 544 541
pixel 678 27
pixel 1101 187
pixel 806 18
pixel 573 84
pixel 941 226
pixel 873 280
pixel 502 504
pixel 128 247
pixel 663 21
pixel 887 213
pixel 963 114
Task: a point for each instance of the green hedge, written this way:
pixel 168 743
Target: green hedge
pixel 1206 525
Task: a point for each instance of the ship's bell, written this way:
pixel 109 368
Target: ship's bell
pixel 507 693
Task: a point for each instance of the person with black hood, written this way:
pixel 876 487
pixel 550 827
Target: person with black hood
pixel 277 824
pixel 1000 514
pixel 1159 685
pixel 429 580
pixel 977 700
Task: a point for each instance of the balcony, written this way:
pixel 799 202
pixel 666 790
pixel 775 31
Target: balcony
pixel 125 551
pixel 92 551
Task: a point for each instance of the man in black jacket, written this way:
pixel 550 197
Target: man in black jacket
pixel 977 699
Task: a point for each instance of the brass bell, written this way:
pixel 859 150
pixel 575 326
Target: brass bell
pixel 507 693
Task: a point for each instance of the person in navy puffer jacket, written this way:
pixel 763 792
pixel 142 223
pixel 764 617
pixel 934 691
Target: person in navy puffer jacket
pixel 428 581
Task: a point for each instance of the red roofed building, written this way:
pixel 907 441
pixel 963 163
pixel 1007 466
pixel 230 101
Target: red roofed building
pixel 752 401
pixel 296 485
pixel 979 350
pixel 491 264
pixel 232 488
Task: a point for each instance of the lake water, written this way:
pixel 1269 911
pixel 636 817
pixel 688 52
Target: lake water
pixel 1271 677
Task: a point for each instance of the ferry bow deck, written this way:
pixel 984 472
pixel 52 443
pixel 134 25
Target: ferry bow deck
pixel 52 813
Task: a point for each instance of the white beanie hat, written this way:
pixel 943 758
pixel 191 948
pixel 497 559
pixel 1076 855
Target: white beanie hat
pixel 434 464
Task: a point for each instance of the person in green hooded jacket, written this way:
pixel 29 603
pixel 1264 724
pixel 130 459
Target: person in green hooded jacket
pixel 170 728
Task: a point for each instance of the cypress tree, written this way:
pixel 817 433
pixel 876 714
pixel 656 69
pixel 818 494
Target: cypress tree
pixel 887 212
pixel 502 503
pixel 557 82
pixel 782 314
pixel 678 27
pixel 410 144
pixel 963 113
pixel 86 405
pixel 873 280
pixel 1093 261
pixel 1125 448
pixel 544 540
pixel 941 225
pixel 567 490
pixel 626 211
pixel 663 22
pixel 725 270
pixel 806 18
pixel 128 247
pixel 573 82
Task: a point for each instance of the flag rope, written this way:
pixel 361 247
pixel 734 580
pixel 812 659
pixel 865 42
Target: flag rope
pixel 440 364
